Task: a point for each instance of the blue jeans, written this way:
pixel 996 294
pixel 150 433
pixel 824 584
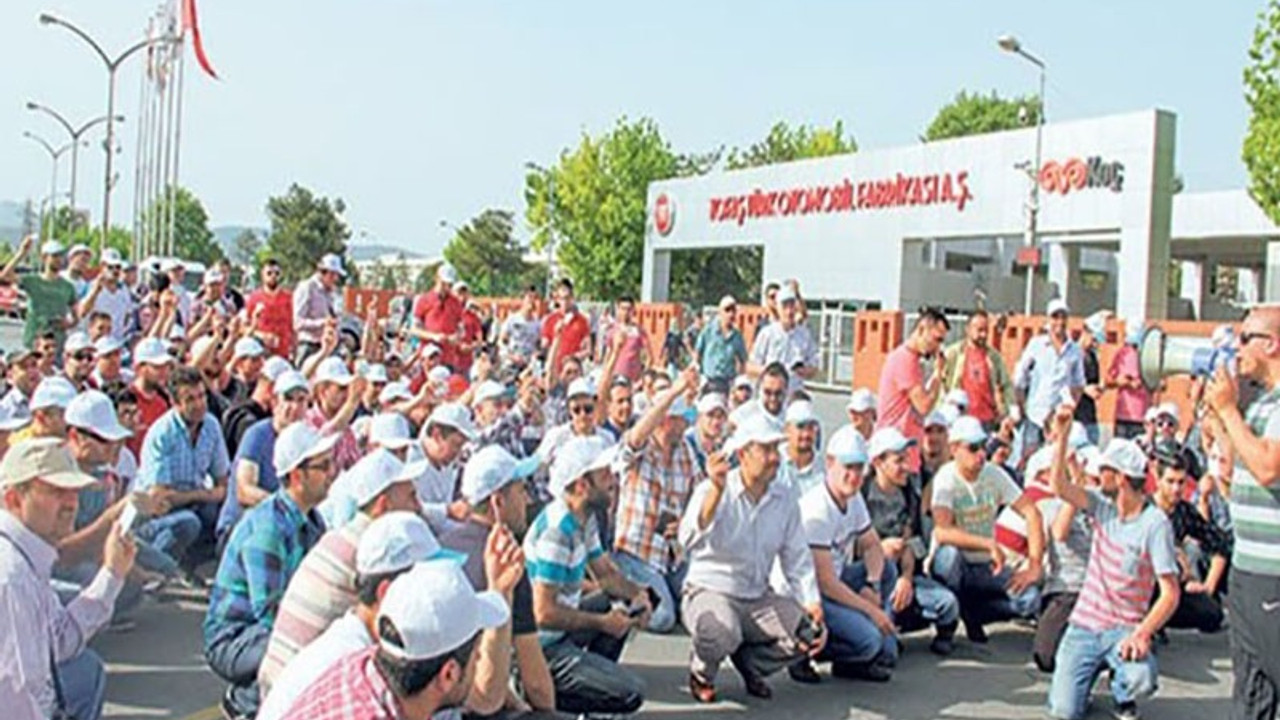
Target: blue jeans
pixel 1081 656
pixel 983 597
pixel 668 587
pixel 171 534
pixel 84 685
pixel 854 638
pixel 934 604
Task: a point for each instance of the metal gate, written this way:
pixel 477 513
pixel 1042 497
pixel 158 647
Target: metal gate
pixel 832 327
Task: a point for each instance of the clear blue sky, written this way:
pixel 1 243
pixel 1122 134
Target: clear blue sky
pixel 413 111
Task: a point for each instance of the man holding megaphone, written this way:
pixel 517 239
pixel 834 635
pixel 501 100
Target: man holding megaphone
pixel 1254 440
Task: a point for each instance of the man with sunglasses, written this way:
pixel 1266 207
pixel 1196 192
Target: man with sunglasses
pixel 109 367
pixel 263 552
pixel 584 416
pixel 1049 369
pixel 721 351
pixel 108 295
pixel 78 360
pixel 270 310
pixel 967 494
pixel 772 399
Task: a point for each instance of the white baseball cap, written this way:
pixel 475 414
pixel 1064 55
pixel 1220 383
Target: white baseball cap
pixel 375 472
pixel 92 410
pixel 1151 414
pixel 1125 457
pixel 711 402
pixel 76 342
pixel 390 430
pixel 288 381
pixel 247 347
pixel 742 381
pixel 202 345
pixel 430 349
pixel 579 456
pixel 332 263
pixel 439 374
pixel 375 373
pixel 151 351
pixel 490 469
pixel 52 247
pixel 968 430
pixel 887 439
pixel 488 390
pixel 579 387
pixel 446 273
pixel 1057 305
pixel 393 392
pixel 727 302
pixel 298 443
pixel 957 398
pixel 55 391
pixel 757 428
pixel 46 459
pixel 1170 409
pixel 395 541
pixel 77 249
pixel 214 276
pixel 111 258
pixel 274 366
pixel 847 446
pixel 106 345
pixel 800 412
pixel 786 293
pixel 434 610
pixel 334 370
pixel 171 264
pixel 1040 461
pixel 936 418
pixel 460 286
pixel 861 400
pixel 1092 460
pixel 452 415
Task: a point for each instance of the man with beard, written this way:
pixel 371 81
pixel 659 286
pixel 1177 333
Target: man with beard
pixel 77 267
pixel 801 465
pixel 151 362
pixel 787 342
pixel 24 376
pixel 262 554
pixel 977 368
pixel 257 406
pixel 905 395
pixel 437 316
pixel 583 637
pixel 707 434
pixel 773 397
pixel 313 304
pixel 108 295
pixel 51 300
pixel 270 310
pixel 337 395
pixel 1050 365
pixel 108 364
pixel 77 360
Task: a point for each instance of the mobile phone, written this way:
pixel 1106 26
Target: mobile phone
pixel 130 519
pixel 809 631
pixel 635 611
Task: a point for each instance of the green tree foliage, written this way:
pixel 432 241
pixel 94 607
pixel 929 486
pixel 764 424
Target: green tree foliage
pixel 1261 150
pixel 487 255
pixel 71 227
pixel 304 227
pixel 192 238
pixel 975 113
pixel 247 245
pixel 785 143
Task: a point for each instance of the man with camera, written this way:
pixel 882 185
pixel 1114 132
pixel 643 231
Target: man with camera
pixel 1253 438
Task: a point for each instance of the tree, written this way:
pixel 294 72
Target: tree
pixel 975 113
pixel 425 278
pixel 785 143
pixel 192 238
pixel 1261 149
pixel 304 228
pixel 487 256
pixel 247 245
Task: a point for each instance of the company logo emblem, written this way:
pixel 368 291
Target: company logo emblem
pixel 664 214
pixel 1078 174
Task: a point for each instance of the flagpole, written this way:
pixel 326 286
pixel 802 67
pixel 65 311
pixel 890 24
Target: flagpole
pixel 180 62
pixel 136 245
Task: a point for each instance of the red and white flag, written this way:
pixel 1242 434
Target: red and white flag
pixel 190 24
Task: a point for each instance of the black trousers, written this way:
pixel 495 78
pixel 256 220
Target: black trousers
pixel 1197 611
pixel 1255 644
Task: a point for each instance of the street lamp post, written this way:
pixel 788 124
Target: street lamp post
pixel 75 133
pixel 54 154
pixel 1010 44
pixel 112 65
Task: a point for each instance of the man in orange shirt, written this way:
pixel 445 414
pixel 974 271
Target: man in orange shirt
pixel 270 309
pixel 472 330
pixel 568 324
pixel 437 315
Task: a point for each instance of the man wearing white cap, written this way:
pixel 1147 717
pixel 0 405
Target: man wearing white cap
pixel 253 470
pixel 44 658
pixel 444 436
pixel 77 267
pixel 315 304
pixel 498 420
pixel 1114 619
pixel 107 294
pixel 916 600
pixel 584 416
pixel 1050 369
pixel 212 297
pixel 247 358
pixel 151 363
pixel 262 554
pixel 721 351
pixel 861 409
pixel 426 656
pixel 708 433
pixel 493 487
pixel 741 392
pixel 51 300
pixel 967 495
pixel 801 465
pixel 974 367
pixel 109 369
pixel 389 436
pixel 337 395
pixel 48 405
pixel 905 396
pixel 787 342
pixel 582 638
pixel 256 406
pixel 437 315
pixel 177 272
pixel 324 586
pixel 738 525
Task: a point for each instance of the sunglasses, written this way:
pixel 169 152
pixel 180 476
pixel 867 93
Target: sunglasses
pixel 83 356
pixel 1166 422
pixel 977 447
pixel 582 409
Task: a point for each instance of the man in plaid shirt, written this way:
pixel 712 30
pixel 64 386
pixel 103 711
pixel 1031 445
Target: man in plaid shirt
pixel 660 472
pixel 264 550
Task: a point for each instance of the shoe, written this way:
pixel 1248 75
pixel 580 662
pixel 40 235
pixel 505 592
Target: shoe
pixel 871 672
pixel 755 684
pixel 976 633
pixel 1126 711
pixel 701 690
pixel 803 672
pixel 944 643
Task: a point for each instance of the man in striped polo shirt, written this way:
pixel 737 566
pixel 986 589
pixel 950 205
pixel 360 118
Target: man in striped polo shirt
pixel 1114 619
pixel 1254 440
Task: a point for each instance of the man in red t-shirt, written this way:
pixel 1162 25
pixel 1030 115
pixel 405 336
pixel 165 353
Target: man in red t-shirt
pixel 270 310
pixel 472 329
pixel 568 323
pixel 151 362
pixel 437 315
pixel 978 369
pixel 905 396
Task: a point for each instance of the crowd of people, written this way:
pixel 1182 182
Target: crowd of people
pixel 470 516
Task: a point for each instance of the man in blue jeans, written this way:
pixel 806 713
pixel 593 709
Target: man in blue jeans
pixel 863 641
pixel 968 493
pixel 1114 619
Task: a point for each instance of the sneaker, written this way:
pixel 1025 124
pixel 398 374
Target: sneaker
pixel 943 646
pixel 976 633
pixel 871 672
pixel 802 671
pixel 701 690
pixel 1126 711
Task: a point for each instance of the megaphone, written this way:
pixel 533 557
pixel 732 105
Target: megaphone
pixel 1160 356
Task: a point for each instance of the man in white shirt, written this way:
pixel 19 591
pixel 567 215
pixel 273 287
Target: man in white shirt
pixel 521 330
pixel 107 294
pixel 45 665
pixel 774 382
pixel 787 341
pixel 446 433
pixel 737 525
pixel 801 465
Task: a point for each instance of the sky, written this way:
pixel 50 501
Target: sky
pixel 417 111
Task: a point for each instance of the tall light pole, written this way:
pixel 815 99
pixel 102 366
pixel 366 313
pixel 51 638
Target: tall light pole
pixel 75 133
pixel 1010 44
pixel 54 154
pixel 112 65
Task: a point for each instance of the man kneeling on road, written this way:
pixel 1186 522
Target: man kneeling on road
pixel 737 525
